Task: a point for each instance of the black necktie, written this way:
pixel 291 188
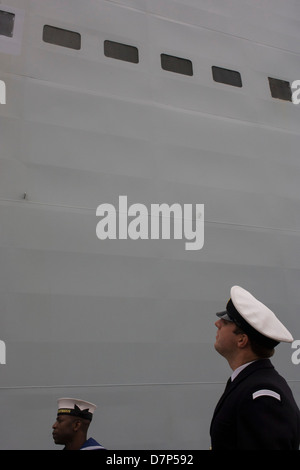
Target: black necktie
pixel 229 382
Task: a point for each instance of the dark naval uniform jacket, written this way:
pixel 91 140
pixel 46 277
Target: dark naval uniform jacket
pixel 257 411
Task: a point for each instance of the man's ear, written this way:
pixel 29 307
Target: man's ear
pixel 77 425
pixel 243 340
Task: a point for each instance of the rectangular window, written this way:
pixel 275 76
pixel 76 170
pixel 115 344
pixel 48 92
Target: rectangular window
pixel 229 77
pixel 176 64
pixel 7 21
pixel 280 89
pixel 119 51
pixel 61 37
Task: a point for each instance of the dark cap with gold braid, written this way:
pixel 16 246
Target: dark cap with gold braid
pixel 76 407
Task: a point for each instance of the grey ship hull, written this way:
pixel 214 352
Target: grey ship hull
pixel 129 324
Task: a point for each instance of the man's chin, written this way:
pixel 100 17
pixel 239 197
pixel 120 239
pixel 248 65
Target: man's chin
pixel 56 439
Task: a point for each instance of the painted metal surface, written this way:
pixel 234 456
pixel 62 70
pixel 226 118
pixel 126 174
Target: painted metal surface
pixel 129 324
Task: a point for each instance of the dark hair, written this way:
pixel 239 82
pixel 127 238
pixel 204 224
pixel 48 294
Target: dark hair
pixel 259 350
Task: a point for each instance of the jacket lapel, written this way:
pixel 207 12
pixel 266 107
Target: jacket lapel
pixel 230 386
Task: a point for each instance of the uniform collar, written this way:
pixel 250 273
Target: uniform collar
pixel 236 372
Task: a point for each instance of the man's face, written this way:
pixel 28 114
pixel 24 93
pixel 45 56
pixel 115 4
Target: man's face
pixel 226 339
pixel 63 429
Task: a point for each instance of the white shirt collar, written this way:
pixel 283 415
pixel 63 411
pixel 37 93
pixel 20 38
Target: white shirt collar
pixel 236 372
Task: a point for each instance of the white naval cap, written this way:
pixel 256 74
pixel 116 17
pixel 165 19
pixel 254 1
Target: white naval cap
pixel 257 320
pixel 76 407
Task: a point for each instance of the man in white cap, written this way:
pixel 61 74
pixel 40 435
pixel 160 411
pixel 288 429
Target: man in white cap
pixel 257 409
pixel 70 428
